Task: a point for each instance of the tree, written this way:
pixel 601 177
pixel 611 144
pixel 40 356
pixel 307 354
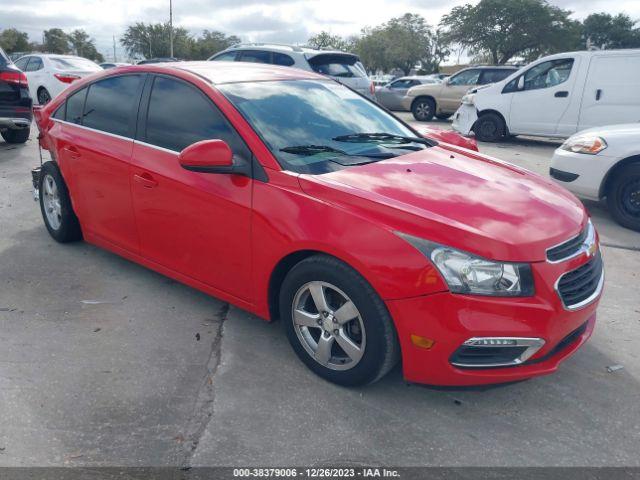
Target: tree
pixel 84 46
pixel 325 40
pixel 152 40
pixel 509 28
pixel 212 42
pixel 13 40
pixel 56 41
pixel 603 30
pixel 403 42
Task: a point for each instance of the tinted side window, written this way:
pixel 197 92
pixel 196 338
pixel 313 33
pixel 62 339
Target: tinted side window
pixel 35 64
pixel 180 115
pixel 282 59
pixel 492 76
pixel 225 57
pixel 75 104
pixel 22 63
pixel 255 56
pixel 112 103
pixel 466 77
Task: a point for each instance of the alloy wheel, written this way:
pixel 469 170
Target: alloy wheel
pixel 423 110
pixel 328 325
pixel 51 201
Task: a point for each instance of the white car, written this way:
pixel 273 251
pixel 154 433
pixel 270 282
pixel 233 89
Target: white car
pixel 604 162
pixel 49 74
pixel 345 68
pixel 556 96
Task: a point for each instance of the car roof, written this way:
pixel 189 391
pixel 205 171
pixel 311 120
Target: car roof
pixel 233 72
pixel 281 47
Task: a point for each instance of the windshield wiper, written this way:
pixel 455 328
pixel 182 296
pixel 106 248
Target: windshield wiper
pixel 312 150
pixel 382 138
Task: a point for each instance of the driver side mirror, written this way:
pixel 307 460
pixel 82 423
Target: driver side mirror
pixel 521 82
pixel 207 156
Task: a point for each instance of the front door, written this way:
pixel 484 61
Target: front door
pixel 548 89
pixel 197 224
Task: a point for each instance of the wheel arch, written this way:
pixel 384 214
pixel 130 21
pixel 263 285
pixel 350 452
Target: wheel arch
pixel 496 112
pixel 605 185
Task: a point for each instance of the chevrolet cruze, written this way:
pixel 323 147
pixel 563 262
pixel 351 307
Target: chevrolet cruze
pixel 295 198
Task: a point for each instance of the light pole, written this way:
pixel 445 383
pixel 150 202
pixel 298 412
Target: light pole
pixel 171 28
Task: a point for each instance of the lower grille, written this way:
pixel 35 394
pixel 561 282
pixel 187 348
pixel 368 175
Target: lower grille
pixel 579 287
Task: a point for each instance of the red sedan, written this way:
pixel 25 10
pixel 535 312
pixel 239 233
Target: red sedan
pixel 293 197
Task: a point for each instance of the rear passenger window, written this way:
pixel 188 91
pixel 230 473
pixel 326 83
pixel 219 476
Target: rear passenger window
pixel 75 103
pixel 282 59
pixel 22 63
pixel 255 56
pixel 180 115
pixel 492 76
pixel 112 104
pixel 225 57
pixel 34 65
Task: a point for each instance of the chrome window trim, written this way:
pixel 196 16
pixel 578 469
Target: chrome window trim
pixel 129 139
pixel 584 248
pixel 533 344
pixel 150 145
pixel 587 301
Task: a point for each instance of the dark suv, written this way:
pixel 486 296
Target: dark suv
pixel 15 102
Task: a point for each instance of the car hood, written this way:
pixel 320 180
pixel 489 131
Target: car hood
pixel 471 202
pixel 631 130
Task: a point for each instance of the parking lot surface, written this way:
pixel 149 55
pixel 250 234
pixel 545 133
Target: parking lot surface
pixel 103 362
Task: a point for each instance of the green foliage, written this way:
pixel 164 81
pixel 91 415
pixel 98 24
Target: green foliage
pixel 152 40
pixel 56 41
pixel 603 30
pixel 84 46
pixel 509 28
pixel 325 40
pixel 12 40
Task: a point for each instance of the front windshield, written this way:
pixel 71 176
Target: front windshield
pixel 312 126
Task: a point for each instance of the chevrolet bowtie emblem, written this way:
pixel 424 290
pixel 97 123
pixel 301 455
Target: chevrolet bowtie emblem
pixel 592 249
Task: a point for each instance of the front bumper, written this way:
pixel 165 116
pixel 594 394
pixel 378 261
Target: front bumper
pixel 591 170
pixel 464 119
pixel 449 320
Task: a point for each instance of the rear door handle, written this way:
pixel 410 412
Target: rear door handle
pixel 561 94
pixel 146 180
pixel 72 151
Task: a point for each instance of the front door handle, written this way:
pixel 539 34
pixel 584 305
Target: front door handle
pixel 562 94
pixel 72 151
pixel 146 180
pixel 598 94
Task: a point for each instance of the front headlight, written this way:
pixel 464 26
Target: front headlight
pixel 469 99
pixel 589 144
pixel 470 274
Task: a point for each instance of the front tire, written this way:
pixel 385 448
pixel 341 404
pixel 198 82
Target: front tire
pixel 55 205
pixel 490 127
pixel 623 197
pixel 336 323
pixel 443 116
pixel 423 109
pixel 16 136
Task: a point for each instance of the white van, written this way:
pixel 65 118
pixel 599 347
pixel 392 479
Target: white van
pixel 556 96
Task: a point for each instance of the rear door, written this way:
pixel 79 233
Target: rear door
pixel 197 224
pixel 548 90
pixel 95 144
pixel 454 89
pixel 612 91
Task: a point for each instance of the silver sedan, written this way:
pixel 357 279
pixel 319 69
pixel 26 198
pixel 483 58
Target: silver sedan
pixel 390 95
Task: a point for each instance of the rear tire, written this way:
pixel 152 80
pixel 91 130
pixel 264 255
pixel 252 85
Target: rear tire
pixel 490 127
pixel 623 197
pixel 443 116
pixel 43 96
pixel 55 205
pixel 423 109
pixel 16 136
pixel 364 327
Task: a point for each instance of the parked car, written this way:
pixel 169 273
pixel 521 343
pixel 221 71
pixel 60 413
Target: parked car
pixel 147 61
pixel 50 74
pixel 343 67
pixel 380 80
pixel 604 162
pixel 390 95
pixel 15 102
pixel 556 96
pixel 443 99
pixel 293 197
pixel 108 65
